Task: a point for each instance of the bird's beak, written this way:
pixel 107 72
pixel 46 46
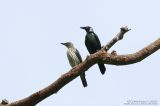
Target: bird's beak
pixel 83 27
pixel 63 44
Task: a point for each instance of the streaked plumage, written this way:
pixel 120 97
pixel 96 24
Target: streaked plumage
pixel 74 58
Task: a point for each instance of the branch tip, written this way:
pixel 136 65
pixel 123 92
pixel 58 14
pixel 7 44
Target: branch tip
pixel 4 102
pixel 125 29
pixel 118 37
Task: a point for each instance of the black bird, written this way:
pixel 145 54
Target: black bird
pixel 74 58
pixel 93 44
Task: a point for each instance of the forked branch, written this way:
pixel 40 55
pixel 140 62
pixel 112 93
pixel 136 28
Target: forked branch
pixel 101 56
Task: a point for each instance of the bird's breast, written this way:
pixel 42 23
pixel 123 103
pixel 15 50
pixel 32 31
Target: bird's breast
pixel 72 57
pixel 90 39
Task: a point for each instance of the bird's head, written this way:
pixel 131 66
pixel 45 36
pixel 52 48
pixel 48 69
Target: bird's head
pixel 87 29
pixel 68 44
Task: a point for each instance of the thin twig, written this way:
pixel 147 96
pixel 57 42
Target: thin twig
pixel 118 37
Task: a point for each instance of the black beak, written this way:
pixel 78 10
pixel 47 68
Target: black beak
pixel 83 27
pixel 63 44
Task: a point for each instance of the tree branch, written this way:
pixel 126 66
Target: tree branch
pixel 101 56
pixel 4 102
pixel 118 37
pixel 132 58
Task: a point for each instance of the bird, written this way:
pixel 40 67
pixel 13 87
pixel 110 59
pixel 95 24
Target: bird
pixel 93 44
pixel 74 59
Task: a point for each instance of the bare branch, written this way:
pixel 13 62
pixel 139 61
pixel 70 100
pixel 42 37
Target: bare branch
pixel 118 37
pixel 99 57
pixel 132 58
pixel 56 86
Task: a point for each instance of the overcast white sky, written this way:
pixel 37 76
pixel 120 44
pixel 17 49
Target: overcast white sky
pixel 31 56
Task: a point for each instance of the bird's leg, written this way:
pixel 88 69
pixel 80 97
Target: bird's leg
pixel 74 67
pixel 87 57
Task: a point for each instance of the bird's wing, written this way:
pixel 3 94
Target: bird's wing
pixel 70 59
pixel 78 55
pixel 98 41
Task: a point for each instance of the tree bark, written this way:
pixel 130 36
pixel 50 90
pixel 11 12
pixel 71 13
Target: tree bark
pixel 102 56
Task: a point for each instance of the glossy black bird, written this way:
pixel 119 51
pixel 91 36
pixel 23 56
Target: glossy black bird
pixel 93 44
pixel 74 58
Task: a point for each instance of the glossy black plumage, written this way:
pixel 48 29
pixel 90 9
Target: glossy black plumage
pixel 93 44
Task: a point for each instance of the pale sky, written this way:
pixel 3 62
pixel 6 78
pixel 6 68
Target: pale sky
pixel 31 56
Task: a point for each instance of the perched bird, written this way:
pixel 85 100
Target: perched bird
pixel 74 58
pixel 93 44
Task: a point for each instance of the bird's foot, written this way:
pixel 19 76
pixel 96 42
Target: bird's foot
pixel 74 67
pixel 87 57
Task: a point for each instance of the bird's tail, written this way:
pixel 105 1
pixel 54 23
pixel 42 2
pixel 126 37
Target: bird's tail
pixel 83 79
pixel 102 68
